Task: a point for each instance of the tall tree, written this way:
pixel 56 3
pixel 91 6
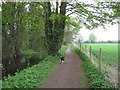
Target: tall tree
pixel 89 15
pixel 54 27
pixel 22 28
pixel 92 38
pixel 12 28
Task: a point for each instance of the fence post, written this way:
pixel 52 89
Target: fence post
pixel 100 59
pixel 90 51
pixel 85 49
pixel 80 46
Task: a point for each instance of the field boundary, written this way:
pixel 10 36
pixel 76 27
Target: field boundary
pixel 110 72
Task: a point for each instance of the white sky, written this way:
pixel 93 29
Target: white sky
pixel 110 34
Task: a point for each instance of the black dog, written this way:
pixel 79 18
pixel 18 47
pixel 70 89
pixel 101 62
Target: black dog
pixel 62 60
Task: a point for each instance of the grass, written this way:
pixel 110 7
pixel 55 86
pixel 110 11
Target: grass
pixel 96 78
pixel 34 76
pixel 0 84
pixel 109 52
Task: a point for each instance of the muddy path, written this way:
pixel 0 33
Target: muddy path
pixel 68 75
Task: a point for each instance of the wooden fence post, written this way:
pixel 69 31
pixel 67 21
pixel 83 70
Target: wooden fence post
pixel 80 46
pixel 85 49
pixel 90 51
pixel 100 59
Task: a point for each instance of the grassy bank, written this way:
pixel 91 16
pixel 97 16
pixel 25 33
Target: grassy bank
pixel 96 78
pixel 33 76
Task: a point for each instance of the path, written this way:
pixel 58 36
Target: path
pixel 69 75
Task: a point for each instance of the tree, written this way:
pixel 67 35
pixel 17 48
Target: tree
pixel 71 29
pixel 22 29
pixel 56 14
pixel 54 27
pixel 92 38
pixel 68 37
pixel 89 15
pixel 40 26
pixel 12 27
pixel 93 15
pixel 118 41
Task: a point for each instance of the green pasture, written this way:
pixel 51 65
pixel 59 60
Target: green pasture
pixel 109 52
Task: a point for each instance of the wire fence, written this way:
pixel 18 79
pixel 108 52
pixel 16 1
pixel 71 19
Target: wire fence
pixel 104 63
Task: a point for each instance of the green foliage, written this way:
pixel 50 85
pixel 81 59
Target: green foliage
pixel 98 14
pixel 96 78
pixel 11 28
pixel 0 84
pixel 31 27
pixel 27 52
pixel 75 50
pixel 68 36
pixel 54 17
pixel 72 22
pixel 62 50
pixel 31 77
pixel 92 38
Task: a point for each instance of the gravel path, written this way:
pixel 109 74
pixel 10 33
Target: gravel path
pixel 68 75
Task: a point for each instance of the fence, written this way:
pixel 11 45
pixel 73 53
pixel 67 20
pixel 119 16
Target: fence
pixel 101 62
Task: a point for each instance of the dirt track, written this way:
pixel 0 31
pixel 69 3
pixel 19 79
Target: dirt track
pixel 68 75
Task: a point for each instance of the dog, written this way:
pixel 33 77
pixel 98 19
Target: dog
pixel 62 60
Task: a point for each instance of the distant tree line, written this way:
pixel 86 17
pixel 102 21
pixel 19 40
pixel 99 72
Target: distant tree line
pixel 109 41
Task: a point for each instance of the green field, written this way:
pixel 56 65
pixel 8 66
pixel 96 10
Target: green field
pixel 109 52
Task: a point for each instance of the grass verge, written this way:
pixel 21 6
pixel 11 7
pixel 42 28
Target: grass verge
pixel 34 76
pixel 96 78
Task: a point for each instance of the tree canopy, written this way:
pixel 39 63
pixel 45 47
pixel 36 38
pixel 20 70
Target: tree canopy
pixel 92 38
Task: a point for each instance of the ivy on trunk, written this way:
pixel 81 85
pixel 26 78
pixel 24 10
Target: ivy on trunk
pixel 54 27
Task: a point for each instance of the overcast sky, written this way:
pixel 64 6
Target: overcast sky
pixel 110 34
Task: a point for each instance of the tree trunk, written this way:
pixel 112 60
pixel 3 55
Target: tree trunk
pixel 54 30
